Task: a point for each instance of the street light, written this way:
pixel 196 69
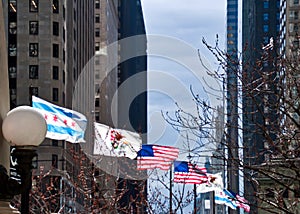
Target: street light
pixel 25 128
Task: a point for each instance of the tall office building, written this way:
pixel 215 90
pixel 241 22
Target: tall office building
pixel 49 45
pixel 132 74
pixel 260 22
pixel 232 96
pixel 116 25
pixel 132 29
pixel 106 59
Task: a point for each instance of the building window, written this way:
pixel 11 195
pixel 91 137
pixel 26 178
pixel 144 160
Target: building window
pixel 296 27
pixel 64 76
pixel 33 49
pixel 266 4
pixel 97 32
pixel 12 50
pixel 97 4
pixel 55 6
pixel 97 116
pixel 265 40
pixel 64 34
pixel 55 143
pixel 74 15
pixel 97 18
pixel 55 50
pixel 33 6
pixel 55 28
pixel 33 71
pixel 266 28
pixel 54 161
pixel 266 17
pixel 97 103
pixel 230 42
pixel 33 91
pixel 12 72
pixel 97 46
pixel 55 94
pixel 296 15
pixel 12 27
pixel 296 2
pixel 63 98
pixel 13 92
pixel 55 75
pixel 12 6
pixel 33 27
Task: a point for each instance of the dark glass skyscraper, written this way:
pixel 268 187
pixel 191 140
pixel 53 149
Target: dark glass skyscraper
pixel 232 95
pixel 260 25
pixel 132 69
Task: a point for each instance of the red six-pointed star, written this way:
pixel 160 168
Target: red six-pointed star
pixel 55 118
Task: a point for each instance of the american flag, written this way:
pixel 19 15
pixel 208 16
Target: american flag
pixel 156 156
pixel 241 201
pixel 186 172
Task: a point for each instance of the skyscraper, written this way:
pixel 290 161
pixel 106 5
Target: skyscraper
pixel 49 45
pixel 232 96
pixel 120 45
pixel 132 70
pixel 260 22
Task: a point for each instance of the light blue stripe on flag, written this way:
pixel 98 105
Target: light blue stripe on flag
pixel 222 197
pixel 64 130
pixel 62 123
pixel 57 110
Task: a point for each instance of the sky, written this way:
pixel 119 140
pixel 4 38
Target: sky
pixel 173 64
pixel 180 26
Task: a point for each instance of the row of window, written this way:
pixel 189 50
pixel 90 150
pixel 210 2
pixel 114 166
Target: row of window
pixel 34 72
pixel 294 2
pixel 34 50
pixel 35 91
pixel 34 6
pixel 266 28
pixel 266 4
pixel 34 28
pixel 266 17
pixel 294 15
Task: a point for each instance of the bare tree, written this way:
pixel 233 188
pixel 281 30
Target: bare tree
pixel 268 94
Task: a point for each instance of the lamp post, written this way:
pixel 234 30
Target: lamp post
pixel 25 128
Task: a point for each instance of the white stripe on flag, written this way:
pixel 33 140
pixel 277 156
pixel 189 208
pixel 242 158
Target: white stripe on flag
pixel 62 123
pixel 116 142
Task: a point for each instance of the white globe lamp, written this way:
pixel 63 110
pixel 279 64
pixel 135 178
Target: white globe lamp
pixel 24 126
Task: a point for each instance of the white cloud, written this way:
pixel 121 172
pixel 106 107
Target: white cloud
pixel 189 20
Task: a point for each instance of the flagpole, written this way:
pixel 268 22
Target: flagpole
pixel 171 211
pixel 212 202
pixel 195 199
